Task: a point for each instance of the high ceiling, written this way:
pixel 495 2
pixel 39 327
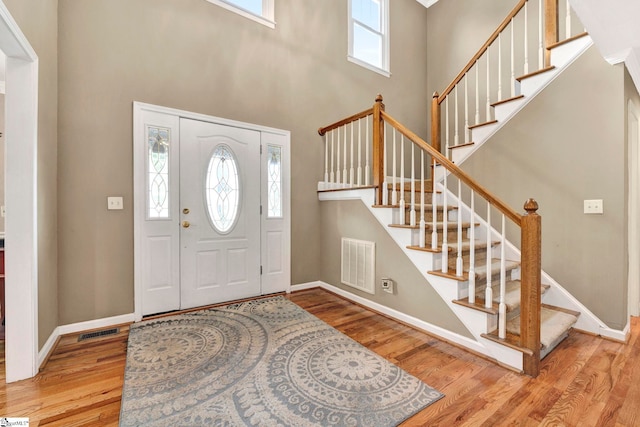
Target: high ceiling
pixel 614 27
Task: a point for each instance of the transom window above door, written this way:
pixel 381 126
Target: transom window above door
pixel 261 11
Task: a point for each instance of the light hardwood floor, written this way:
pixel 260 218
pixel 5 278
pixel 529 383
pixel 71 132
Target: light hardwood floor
pixel 586 381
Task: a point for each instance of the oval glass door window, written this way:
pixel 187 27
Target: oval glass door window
pixel 222 188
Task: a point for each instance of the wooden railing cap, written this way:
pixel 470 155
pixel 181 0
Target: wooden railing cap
pixel 531 206
pixel 379 97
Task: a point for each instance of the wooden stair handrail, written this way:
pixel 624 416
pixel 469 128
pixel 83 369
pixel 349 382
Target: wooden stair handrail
pixel 463 176
pixel 482 50
pixel 349 119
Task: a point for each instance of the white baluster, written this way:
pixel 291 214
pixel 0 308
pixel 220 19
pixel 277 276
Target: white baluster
pixel 456 136
pixel 499 67
pixel 412 214
pixel 472 252
pixel 359 181
pixel 422 236
pixel 394 193
pixel 502 308
pixel 434 213
pixel 402 204
pixel 345 177
pixel 326 160
pixel 526 39
pixel 445 221
pixel 367 171
pixel 488 109
pixel 488 298
pixel 338 180
pixel 352 170
pixel 466 108
pixel 567 30
pixel 513 61
pixel 385 184
pixel 459 263
pixel 446 127
pixel 540 36
pixel 477 67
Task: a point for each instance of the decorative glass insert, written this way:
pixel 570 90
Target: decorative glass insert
pixel 222 189
pixel 274 181
pixel 158 140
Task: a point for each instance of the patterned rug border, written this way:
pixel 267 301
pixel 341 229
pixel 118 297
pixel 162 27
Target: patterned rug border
pixel 261 362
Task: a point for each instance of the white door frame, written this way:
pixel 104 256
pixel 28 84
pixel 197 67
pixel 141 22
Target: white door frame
pixel 21 131
pixel 633 145
pixel 139 188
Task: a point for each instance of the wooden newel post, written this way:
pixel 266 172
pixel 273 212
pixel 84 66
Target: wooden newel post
pixel 378 148
pixel 530 292
pixel 551 28
pixel 435 122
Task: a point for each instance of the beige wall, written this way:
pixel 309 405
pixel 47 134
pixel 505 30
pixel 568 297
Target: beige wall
pixel 196 56
pixel 568 145
pixel 38 20
pixel 413 295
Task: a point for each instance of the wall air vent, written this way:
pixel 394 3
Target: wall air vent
pixel 358 264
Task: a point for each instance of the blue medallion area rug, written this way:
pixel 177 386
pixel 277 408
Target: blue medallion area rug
pixel 264 362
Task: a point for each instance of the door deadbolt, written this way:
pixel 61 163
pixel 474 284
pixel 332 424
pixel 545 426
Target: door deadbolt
pixel 185 211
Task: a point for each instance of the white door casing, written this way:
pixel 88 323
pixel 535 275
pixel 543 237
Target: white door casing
pixel 160 279
pixel 220 213
pixel 21 257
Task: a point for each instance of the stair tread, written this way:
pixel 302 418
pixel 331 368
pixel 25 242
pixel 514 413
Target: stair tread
pixel 451 225
pixel 407 185
pixel 504 101
pixel 480 270
pixel 511 340
pixel 490 122
pixel 512 297
pixel 535 73
pixel 569 40
pixel 553 324
pixel 453 247
pixel 467 144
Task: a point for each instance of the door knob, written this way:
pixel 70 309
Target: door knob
pixel 186 224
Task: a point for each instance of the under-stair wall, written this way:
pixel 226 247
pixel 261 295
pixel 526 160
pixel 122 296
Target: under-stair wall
pixel 412 295
pixel 567 145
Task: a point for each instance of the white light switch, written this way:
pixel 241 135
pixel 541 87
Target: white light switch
pixel 593 207
pixel 114 203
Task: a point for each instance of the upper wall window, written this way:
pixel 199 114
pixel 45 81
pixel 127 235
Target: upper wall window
pixel 369 34
pixel 261 11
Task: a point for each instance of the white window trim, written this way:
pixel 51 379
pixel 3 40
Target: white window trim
pixel 385 69
pixel 267 19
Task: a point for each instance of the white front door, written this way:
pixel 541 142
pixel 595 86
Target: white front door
pixel 211 210
pixel 219 213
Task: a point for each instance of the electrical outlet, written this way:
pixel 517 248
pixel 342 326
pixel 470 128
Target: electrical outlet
pixel 387 285
pixel 114 203
pixel 594 207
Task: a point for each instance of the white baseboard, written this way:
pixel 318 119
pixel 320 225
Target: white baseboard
pixel 398 315
pixel 80 327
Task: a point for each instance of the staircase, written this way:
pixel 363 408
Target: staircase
pixel 555 321
pixel 451 228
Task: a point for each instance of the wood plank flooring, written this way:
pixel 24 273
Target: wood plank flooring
pixel 586 381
